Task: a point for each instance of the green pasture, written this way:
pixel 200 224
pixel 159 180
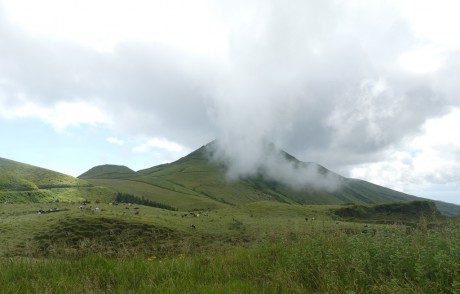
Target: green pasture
pixel 259 247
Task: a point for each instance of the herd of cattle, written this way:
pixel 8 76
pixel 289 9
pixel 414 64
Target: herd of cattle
pixel 51 210
pixel 84 206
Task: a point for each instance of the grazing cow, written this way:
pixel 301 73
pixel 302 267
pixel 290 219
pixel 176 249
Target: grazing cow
pixel 313 219
pixel 137 212
pixel 192 226
pixel 306 219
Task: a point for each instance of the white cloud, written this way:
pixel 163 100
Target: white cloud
pixel 103 24
pixel 433 21
pixel 162 144
pixel 61 115
pixel 431 158
pixel 141 148
pixel 422 60
pixel 115 140
pixel 342 83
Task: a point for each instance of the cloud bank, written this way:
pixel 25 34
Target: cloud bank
pixel 349 84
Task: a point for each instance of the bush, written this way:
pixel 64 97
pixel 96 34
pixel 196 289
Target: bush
pixel 127 198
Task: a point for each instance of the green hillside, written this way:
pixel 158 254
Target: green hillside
pixel 197 182
pixel 107 171
pixel 254 234
pixel 21 182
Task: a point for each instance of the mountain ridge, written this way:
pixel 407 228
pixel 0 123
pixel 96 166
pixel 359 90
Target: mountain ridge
pixel 201 177
pixel 194 182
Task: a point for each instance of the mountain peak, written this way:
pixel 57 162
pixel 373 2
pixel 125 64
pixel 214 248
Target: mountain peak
pixel 107 171
pixel 203 179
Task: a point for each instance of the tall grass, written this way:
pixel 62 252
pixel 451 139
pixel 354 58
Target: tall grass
pixel 319 260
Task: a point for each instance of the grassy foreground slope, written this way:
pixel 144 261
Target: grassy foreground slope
pixel 258 247
pixel 21 182
pixel 198 182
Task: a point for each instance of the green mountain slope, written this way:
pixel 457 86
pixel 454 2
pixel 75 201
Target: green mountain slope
pixel 107 171
pixel 21 182
pixel 197 182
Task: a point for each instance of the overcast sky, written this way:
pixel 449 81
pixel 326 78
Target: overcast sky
pixel 369 89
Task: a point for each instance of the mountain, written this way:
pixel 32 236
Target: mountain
pixel 196 181
pixel 20 182
pixel 107 171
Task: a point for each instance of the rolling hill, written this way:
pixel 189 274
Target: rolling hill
pixel 196 181
pixel 21 182
pixel 108 170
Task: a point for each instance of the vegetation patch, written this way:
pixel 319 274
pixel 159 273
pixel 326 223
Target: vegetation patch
pixel 389 261
pixel 403 212
pixel 128 198
pixel 105 236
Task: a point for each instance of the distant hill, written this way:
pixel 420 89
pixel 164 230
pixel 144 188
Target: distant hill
pixel 107 171
pixel 20 182
pixel 198 182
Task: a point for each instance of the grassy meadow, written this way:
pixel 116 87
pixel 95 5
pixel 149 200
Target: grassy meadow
pixel 260 247
pixel 59 234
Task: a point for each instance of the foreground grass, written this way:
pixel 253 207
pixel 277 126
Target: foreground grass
pixel 390 259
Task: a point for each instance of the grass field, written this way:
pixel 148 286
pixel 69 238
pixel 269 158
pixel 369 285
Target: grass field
pixel 258 247
pixel 247 236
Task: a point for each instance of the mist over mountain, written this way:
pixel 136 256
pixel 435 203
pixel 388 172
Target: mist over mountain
pixel 224 173
pixel 208 178
pixel 261 158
